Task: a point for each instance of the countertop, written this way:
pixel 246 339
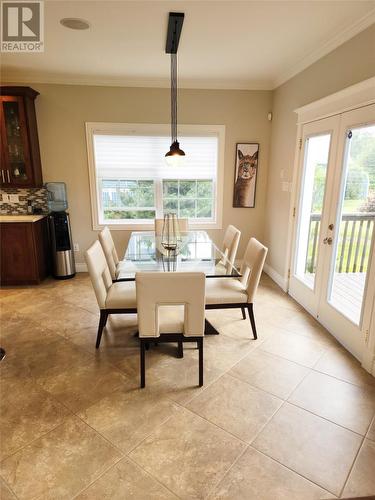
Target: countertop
pixel 21 218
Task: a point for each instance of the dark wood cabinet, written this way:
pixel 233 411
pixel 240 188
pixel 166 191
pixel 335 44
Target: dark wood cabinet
pixel 20 155
pixel 25 254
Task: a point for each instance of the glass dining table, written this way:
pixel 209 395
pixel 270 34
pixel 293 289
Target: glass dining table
pixel 195 251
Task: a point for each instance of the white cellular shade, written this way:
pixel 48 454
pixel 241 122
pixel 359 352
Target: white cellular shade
pixel 142 157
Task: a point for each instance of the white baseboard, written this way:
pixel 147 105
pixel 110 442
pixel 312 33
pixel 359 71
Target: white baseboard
pixel 276 277
pixel 81 267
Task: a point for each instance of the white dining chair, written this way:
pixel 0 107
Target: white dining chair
pixel 170 309
pixel 109 249
pixel 230 246
pixel 183 225
pixel 230 243
pixel 112 298
pixel 225 293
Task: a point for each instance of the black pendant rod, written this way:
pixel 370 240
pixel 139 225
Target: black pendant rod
pixel 175 22
pixel 174 97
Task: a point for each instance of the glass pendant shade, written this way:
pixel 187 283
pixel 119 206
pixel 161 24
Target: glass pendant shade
pixel 175 155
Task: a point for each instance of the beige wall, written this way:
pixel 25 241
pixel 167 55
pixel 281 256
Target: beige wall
pixel 62 111
pixel 350 63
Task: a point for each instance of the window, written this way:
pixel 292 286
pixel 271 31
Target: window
pixel 127 199
pixel 192 199
pixel 131 184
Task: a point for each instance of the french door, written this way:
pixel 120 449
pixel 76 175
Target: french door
pixel 333 263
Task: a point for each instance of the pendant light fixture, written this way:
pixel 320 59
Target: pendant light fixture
pixel 175 156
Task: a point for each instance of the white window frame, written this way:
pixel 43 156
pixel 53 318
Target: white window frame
pixel 153 129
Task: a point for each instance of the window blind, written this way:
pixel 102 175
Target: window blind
pixel 142 157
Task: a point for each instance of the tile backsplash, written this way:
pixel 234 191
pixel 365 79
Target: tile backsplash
pixel 37 195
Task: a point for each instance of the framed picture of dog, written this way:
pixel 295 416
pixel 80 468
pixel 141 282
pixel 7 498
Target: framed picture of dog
pixel 245 177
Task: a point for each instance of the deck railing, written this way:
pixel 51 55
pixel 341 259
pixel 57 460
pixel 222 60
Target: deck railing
pixel 355 237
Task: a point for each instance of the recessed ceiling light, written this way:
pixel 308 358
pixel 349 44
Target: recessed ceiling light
pixel 75 23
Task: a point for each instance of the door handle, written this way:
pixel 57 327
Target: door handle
pixel 8 176
pixel 328 241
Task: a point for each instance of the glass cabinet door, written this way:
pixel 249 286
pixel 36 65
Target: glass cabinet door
pixel 17 168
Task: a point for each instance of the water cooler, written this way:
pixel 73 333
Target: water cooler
pixel 61 237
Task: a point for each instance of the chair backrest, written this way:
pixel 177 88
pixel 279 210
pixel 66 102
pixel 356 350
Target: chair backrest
pixel 155 290
pixel 109 249
pixel 252 266
pixel 183 225
pixel 230 244
pixel 99 272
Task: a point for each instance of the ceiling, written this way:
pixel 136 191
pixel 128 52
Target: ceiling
pixel 224 44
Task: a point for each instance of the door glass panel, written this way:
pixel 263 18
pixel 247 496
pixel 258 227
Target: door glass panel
pixel 356 219
pixel 311 206
pixel 16 151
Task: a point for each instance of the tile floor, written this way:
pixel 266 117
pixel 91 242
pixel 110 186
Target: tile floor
pixel 289 416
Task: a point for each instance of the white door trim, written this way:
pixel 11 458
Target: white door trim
pixel 368 361
pixel 355 96
pixel 348 99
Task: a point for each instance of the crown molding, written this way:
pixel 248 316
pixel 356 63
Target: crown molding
pixel 335 41
pixel 128 82
pixel 356 96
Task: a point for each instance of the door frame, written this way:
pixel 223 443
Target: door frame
pixel 348 99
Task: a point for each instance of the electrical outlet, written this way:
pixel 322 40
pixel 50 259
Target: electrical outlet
pixel 14 198
pixel 76 247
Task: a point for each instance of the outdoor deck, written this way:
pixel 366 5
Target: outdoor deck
pixel 353 252
pixel 347 293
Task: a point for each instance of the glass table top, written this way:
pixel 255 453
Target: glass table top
pixel 195 252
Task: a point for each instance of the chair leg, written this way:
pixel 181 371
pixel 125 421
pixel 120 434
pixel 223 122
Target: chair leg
pixel 180 349
pixel 102 322
pixel 143 367
pixel 252 320
pixel 200 343
pixel 243 312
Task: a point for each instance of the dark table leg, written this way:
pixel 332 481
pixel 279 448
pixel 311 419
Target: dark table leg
pixel 209 329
